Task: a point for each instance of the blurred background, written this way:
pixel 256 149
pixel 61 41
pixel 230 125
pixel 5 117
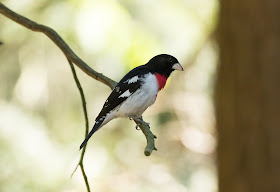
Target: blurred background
pixel 41 118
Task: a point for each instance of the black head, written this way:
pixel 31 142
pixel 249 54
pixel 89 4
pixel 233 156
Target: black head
pixel 164 64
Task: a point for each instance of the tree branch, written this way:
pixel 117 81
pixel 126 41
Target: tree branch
pixel 150 137
pixel 59 42
pixel 86 124
pixel 71 56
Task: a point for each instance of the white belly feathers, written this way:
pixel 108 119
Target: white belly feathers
pixel 141 99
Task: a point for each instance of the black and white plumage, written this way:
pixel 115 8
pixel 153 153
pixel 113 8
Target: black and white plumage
pixel 136 91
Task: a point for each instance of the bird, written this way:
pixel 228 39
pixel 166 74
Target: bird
pixel 136 91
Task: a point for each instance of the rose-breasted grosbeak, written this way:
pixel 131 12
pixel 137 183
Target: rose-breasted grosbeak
pixel 136 91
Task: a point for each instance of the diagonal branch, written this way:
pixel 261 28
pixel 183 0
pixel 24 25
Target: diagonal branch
pixel 73 58
pixel 59 42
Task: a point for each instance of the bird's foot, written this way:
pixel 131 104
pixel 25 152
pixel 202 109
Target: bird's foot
pixel 137 127
pixel 139 120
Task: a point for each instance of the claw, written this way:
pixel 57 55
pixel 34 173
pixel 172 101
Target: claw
pixel 139 119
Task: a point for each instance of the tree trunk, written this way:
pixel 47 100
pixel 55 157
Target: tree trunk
pixel 248 96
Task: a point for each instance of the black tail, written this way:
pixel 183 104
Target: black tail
pixel 93 130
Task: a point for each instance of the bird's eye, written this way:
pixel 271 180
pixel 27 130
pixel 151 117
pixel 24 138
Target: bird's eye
pixel 170 59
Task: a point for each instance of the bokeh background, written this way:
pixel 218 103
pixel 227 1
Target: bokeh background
pixel 41 119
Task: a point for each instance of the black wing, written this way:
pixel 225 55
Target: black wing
pixel 130 82
pixel 114 98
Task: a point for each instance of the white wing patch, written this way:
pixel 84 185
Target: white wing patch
pixel 101 119
pixel 141 99
pixel 118 89
pixel 133 79
pixel 125 94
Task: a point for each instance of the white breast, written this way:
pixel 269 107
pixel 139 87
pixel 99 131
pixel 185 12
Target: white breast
pixel 141 99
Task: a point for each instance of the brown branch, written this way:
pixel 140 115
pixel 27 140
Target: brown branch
pixel 73 58
pixel 59 42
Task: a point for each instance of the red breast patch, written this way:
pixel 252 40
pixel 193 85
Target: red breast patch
pixel 161 79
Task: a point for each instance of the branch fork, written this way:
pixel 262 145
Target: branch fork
pixel 73 58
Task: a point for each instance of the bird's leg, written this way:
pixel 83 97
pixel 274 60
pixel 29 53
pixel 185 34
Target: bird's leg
pixel 134 118
pixel 144 122
pixel 140 119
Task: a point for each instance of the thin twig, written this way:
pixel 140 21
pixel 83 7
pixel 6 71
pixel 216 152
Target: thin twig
pixel 71 56
pixel 86 123
pixel 85 177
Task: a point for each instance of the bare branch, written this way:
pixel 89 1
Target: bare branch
pixel 85 177
pixel 86 123
pixel 73 58
pixel 59 42
pixel 150 137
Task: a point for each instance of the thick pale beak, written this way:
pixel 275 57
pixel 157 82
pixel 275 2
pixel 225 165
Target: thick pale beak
pixel 177 66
